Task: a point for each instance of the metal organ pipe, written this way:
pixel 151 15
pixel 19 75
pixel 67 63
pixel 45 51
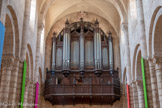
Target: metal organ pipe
pixel 111 57
pixel 54 51
pixel 97 50
pixel 66 49
pixel 82 50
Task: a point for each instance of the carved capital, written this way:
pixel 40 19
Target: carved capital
pixel 124 27
pixel 7 61
pixel 139 84
pixel 40 26
pixel 157 60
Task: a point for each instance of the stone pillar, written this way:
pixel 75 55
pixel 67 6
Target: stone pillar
pixel 25 29
pixel 13 83
pixel 140 20
pixel 7 66
pixel 111 53
pixel 158 71
pixel 140 94
pixel 131 96
pixel 124 95
pixel 40 28
pixel 148 84
pixel 26 94
pixel 97 49
pixel 19 83
pixel 135 96
pixel 154 87
pixel 66 49
pixel 124 27
pixel 54 51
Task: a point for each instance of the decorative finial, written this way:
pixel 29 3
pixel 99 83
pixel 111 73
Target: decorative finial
pixel 54 33
pixel 96 22
pixel 110 34
pixel 67 22
pixel 81 19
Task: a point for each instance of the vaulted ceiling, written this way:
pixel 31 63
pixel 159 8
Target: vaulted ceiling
pixel 109 12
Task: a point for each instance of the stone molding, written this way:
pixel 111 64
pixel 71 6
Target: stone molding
pixel 157 60
pixel 8 60
pixel 124 27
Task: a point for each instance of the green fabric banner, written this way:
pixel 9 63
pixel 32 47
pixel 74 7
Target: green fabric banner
pixel 144 82
pixel 23 84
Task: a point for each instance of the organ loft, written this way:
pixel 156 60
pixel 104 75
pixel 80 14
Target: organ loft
pixel 82 66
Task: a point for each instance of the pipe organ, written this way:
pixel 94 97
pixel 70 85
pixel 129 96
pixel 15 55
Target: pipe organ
pixel 82 68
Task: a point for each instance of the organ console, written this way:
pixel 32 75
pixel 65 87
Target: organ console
pixel 82 68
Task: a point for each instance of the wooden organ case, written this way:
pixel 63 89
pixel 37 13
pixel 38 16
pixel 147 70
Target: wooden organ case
pixel 82 68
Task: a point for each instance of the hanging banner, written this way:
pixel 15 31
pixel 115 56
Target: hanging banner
pixel 36 95
pixel 2 34
pixel 128 98
pixel 23 84
pixel 144 82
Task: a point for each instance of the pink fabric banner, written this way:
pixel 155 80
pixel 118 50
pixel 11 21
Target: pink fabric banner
pixel 36 95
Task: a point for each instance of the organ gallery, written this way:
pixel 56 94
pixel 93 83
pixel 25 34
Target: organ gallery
pixel 82 66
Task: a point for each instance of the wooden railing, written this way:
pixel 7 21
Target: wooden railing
pixel 89 86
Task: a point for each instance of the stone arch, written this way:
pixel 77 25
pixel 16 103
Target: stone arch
pixel 137 48
pixel 138 68
pixel 154 18
pixel 28 67
pixel 0 7
pixel 8 48
pixel 30 54
pixel 40 75
pixel 16 28
pixel 124 80
pixel 157 33
pixel 40 82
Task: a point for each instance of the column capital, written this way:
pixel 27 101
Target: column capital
pixel 157 60
pixel 139 83
pixel 40 26
pixel 124 26
pixel 8 60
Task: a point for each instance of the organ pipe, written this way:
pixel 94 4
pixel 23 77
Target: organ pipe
pixel 54 51
pixel 111 57
pixel 97 49
pixel 66 49
pixel 82 49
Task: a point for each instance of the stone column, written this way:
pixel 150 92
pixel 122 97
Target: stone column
pixel 19 83
pixel 154 87
pixel 26 94
pixel 131 96
pixel 148 84
pixel 111 53
pixel 25 29
pixel 140 94
pixel 40 28
pixel 158 71
pixel 140 20
pixel 54 51
pixel 14 83
pixel 97 49
pixel 135 96
pixel 124 27
pixel 7 66
pixel 66 49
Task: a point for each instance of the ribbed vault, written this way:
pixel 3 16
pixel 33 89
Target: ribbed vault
pixel 52 11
